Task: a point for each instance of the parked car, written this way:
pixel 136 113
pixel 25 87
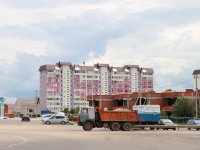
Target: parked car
pixel 61 113
pixel 45 115
pixel 56 119
pixel 25 117
pixel 194 122
pixel 166 122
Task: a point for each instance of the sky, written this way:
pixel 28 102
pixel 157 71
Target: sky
pixel 159 34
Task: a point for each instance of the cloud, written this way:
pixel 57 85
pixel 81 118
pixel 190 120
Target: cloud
pixel 159 35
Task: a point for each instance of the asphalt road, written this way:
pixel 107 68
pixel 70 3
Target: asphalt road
pixel 34 135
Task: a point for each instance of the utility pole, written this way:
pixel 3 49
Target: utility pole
pixel 36 91
pixel 140 70
pixel 196 96
pixel 85 99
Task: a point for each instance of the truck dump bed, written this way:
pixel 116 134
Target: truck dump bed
pixel 128 116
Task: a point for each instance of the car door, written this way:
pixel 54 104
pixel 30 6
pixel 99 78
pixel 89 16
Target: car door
pixel 52 119
pixel 59 119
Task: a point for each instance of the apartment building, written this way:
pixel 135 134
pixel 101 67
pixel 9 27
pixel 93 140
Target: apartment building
pixel 64 85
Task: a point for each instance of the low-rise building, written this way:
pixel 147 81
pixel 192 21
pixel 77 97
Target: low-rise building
pixel 23 105
pixel 164 99
pixel 9 110
pixel 2 100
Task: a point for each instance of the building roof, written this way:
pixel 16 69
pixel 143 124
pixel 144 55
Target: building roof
pixel 102 65
pixel 83 68
pixel 148 70
pixel 196 72
pixel 131 66
pixel 47 67
pixel 63 63
pixel 26 101
pixel 118 69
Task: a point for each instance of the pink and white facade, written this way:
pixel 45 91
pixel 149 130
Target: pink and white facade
pixel 64 85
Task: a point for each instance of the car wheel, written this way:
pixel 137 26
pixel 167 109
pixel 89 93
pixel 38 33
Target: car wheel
pixel 163 128
pixel 197 129
pixel 188 128
pixel 63 123
pixel 22 120
pixel 174 129
pixel 157 128
pixel 47 122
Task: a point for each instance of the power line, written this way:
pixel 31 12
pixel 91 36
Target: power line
pixel 174 84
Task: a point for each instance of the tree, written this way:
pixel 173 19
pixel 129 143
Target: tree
pixel 30 110
pixel 151 91
pixel 73 111
pixel 77 108
pixel 183 108
pixel 162 113
pixel 66 110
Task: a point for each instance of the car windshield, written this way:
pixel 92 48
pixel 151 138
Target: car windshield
pixel 197 122
pixel 25 115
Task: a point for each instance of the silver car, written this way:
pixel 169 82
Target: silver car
pixel 56 119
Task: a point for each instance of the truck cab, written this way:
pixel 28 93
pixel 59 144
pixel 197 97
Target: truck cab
pixel 86 114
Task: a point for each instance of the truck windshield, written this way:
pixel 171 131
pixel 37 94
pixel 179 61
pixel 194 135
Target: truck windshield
pixel 84 111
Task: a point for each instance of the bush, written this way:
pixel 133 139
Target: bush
pixel 21 115
pixel 70 118
pixel 38 115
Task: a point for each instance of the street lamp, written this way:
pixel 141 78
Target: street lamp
pixel 85 99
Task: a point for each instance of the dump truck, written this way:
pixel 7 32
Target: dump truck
pixel 90 117
pixel 122 119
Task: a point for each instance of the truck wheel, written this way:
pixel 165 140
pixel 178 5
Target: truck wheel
pixel 87 126
pixel 127 127
pixel 115 126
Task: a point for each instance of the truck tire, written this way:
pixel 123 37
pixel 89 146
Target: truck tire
pixel 87 126
pixel 115 126
pixel 126 127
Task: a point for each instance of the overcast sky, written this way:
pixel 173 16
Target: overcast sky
pixel 159 34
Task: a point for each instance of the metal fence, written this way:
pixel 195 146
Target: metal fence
pixel 177 119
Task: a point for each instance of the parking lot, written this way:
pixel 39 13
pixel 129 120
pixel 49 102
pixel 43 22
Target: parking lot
pixel 15 135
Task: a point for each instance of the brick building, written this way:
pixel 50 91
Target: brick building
pixel 165 99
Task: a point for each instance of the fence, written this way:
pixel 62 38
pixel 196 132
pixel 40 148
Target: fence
pixel 177 119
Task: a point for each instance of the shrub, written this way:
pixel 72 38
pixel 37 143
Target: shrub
pixel 21 115
pixel 38 115
pixel 70 118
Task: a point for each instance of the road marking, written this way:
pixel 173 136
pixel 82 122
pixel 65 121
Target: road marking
pixel 24 140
